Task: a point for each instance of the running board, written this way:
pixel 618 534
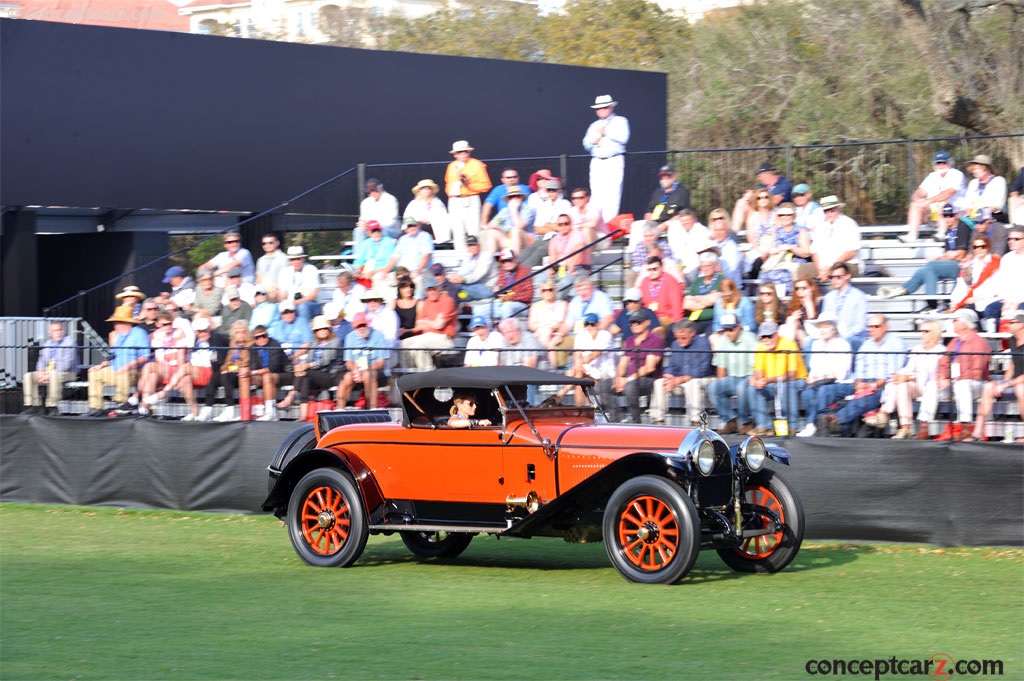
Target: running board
pixel 471 529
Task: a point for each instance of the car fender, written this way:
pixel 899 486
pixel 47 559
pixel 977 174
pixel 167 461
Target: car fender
pixel 591 494
pixel 303 462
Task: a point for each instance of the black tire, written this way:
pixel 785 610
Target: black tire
pixel 326 520
pixel 773 552
pixel 436 544
pixel 651 531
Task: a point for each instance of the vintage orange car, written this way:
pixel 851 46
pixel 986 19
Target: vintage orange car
pixel 525 465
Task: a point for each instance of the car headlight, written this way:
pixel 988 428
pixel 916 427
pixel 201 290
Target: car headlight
pixel 753 453
pixel 705 457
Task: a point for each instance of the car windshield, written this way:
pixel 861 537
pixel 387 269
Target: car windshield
pixel 431 406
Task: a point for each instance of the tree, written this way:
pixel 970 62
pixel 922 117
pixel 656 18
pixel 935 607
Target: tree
pixel 976 73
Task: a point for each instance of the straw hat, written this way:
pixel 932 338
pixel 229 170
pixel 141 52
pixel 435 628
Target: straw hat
pixel 425 183
pixel 123 314
pixel 461 145
pixel 131 292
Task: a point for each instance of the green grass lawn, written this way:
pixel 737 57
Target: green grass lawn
pixel 98 593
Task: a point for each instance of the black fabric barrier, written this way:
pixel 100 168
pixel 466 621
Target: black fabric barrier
pixel 877 490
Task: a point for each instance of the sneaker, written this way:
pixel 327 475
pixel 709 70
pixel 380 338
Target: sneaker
pixel 907 238
pixel 190 417
pixel 205 414
pixel 269 416
pixel 133 401
pixel 891 291
pixel 153 399
pixel 877 419
pixel 810 430
pixel 227 416
pixel 143 410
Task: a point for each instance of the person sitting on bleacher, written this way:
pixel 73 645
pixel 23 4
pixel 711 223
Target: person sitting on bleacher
pixel 778 376
pixel 235 309
pixel 299 283
pixel 366 357
pixel 264 312
pixel 946 266
pixel 962 373
pixel 986 225
pixel 828 374
pixel 202 369
pixel 429 212
pixel 483 345
pixel 373 256
pixel 593 357
pixel 55 367
pixel 639 367
pixel 734 362
pixel 518 348
pixel 632 301
pixel 943 185
pixel 804 308
pixel 835 239
pixel 985 191
pixel 169 346
pixel 268 365
pixel 846 304
pixel 733 303
pixel 687 237
pixel 295 338
pixel 513 290
pixel 380 207
pixel 476 274
pixel 662 293
pixel 645 241
pixel 687 371
pixel 435 329
pixel 348 296
pixel 234 370
pixel 562 244
pixel 909 383
pixel 808 211
pixel 207 299
pixel 1012 384
pixel 975 287
pixel 321 368
pixel 704 292
pixel 512 227
pixel 588 300
pixel 730 259
pixel 876 362
pixel 1011 284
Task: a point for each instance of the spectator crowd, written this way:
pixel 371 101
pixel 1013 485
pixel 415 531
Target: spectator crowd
pixel 800 355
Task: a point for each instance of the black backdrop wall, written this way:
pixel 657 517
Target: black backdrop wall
pixel 880 490
pixel 119 118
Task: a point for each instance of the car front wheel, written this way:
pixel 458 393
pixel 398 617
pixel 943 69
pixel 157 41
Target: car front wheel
pixel 768 552
pixel 436 544
pixel 651 531
pixel 326 521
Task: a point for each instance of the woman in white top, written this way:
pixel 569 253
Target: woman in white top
pixel 426 207
pixel 986 190
pixel 908 383
pixel 547 315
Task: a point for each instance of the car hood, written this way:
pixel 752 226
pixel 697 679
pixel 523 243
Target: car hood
pixel 615 436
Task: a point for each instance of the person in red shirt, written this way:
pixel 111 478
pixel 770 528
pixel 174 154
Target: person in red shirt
pixel 434 330
pixel 962 373
pixel 662 293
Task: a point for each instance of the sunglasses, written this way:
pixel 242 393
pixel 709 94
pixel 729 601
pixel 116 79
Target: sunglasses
pixel 766 293
pixel 231 241
pixel 564 224
pixel 767 337
pixel 836 276
pixel 832 210
pixel 593 324
pixel 941 163
pixel 977 246
pixel 553 190
pixel 633 323
pixel 802 288
pixel 547 290
pixel 785 215
pixel 151 309
pixel 160 326
pixel 718 218
pixel 259 336
pixel 359 326
pixel 875 326
pixel 287 311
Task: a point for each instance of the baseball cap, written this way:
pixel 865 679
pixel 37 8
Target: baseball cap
pixel 437 269
pixel 941 157
pixel 175 271
pixel 553 183
pixel 505 254
pixel 430 281
pixel 231 293
pixel 1018 316
pixel 477 321
pixel 666 170
pixel 590 318
pixel 372 226
pixel 472 241
pixel 767 329
pixel 637 316
pixel 948 210
pixel 235 272
pixel 967 316
pixel 287 306
pixel 200 324
pixel 729 321
pixel 373 184
pixel 801 188
pixel 633 295
pixel 765 167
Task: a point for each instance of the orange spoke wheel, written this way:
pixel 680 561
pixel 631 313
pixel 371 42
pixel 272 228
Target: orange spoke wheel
pixel 326 521
pixel 651 530
pixel 773 551
pixel 649 533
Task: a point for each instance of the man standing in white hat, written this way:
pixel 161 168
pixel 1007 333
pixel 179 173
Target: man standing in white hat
pixel 464 181
pixel 299 284
pixel 606 140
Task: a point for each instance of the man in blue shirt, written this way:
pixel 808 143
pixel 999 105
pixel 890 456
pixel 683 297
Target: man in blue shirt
pixel 847 305
pixel 366 355
pixel 687 372
pixel 129 350
pixel 55 367
pixel 879 357
pixel 495 200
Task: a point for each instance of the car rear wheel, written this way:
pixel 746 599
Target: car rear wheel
pixel 326 521
pixel 651 531
pixel 436 544
pixel 768 552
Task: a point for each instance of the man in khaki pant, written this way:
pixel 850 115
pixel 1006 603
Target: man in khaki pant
pixel 56 366
pixel 130 347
